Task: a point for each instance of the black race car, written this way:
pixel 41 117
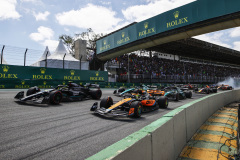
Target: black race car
pixel 70 92
pixel 118 91
pixel 34 95
pixel 74 91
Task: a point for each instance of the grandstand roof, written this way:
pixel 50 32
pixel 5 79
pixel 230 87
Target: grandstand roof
pixel 188 47
pixel 199 49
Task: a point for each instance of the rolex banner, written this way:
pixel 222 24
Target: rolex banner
pixel 25 77
pixel 21 77
pixel 197 11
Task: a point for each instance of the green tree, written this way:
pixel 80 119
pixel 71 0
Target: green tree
pixel 69 42
pixel 90 36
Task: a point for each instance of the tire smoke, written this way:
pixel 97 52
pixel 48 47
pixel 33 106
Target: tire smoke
pixel 234 82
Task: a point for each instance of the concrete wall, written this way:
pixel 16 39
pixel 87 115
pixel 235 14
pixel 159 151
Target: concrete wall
pixel 80 49
pixel 166 137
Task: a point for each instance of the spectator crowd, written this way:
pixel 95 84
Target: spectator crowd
pixel 164 67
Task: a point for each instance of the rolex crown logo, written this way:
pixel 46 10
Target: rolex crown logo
pixel 64 82
pixel 44 83
pixel 104 42
pixel 72 72
pixel 123 34
pixel 5 68
pixel 146 25
pixel 97 73
pixel 43 70
pixel 176 14
pixel 23 82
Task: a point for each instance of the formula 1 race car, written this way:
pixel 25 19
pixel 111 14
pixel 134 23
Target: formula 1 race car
pixel 34 95
pixel 188 87
pixel 206 90
pixel 173 93
pixel 176 93
pixel 130 90
pixel 225 87
pixel 154 91
pixel 121 92
pixel 118 91
pixel 74 91
pixel 129 107
pixel 69 92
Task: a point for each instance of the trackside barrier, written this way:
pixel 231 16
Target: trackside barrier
pixel 166 137
pixel 21 77
pixel 12 76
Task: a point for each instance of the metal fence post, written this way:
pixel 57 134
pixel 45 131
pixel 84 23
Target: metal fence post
pixel 25 56
pixel 2 53
pixel 63 59
pixel 46 60
pixel 80 63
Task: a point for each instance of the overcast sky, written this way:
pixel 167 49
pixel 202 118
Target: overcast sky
pixel 36 24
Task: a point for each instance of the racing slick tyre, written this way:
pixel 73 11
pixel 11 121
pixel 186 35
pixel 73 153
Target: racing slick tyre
pixel 229 88
pixel 125 107
pixel 106 102
pixel 177 97
pixel 207 91
pixel 214 90
pixel 121 89
pixel 162 102
pixel 55 97
pixel 115 91
pixel 96 94
pixel 32 90
pixel 188 94
pixel 135 109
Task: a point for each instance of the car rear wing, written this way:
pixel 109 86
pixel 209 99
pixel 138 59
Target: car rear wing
pixel 92 85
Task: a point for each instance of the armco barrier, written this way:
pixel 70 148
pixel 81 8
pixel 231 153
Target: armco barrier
pixel 166 137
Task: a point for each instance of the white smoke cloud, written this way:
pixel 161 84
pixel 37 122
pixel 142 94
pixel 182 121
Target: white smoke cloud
pixel 235 83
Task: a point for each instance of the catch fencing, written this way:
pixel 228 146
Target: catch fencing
pixel 19 56
pixel 28 57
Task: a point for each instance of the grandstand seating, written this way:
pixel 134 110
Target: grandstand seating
pixel 144 68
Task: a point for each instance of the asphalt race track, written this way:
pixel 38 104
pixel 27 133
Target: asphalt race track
pixel 66 131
